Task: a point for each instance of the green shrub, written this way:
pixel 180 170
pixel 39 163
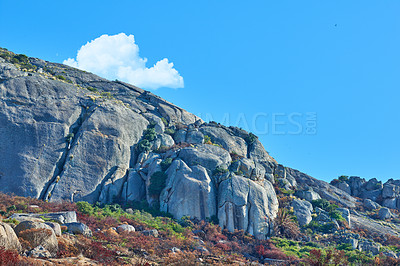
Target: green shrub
pixel 61 77
pixel 92 89
pixel 107 94
pixel 166 163
pixel 337 215
pixel 343 178
pixel 157 183
pixel 344 246
pixel 164 121
pixel 207 139
pixel 85 207
pixel 321 203
pixel 150 134
pixel 250 138
pixel 219 171
pixel 144 145
pixel 169 131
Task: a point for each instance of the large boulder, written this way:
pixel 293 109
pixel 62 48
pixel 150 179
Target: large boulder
pixel 201 202
pixel 308 195
pixel 344 186
pixel 208 156
pixel 390 191
pixel 8 238
pixel 79 228
pixel 229 141
pixel 371 205
pixel 61 217
pixel 244 204
pixel 384 213
pixel 38 234
pixel 302 209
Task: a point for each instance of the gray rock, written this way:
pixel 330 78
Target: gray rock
pixel 79 228
pixel 56 228
pixel 372 194
pixel 308 195
pixel 208 156
pixel 125 228
pixel 113 186
pixel 61 217
pixel 368 246
pixel 390 254
pixel 39 252
pixel 180 136
pixel 391 203
pixel 384 213
pixel 353 242
pixel 244 204
pixel 345 214
pixel 152 118
pixel 201 202
pixel 390 191
pixel 8 238
pixel 344 186
pixel 356 184
pixel 325 190
pixel 195 137
pixel 152 232
pixel 163 141
pixel 47 239
pixel 302 209
pixel 371 205
pixel 175 250
pixel 373 184
pixel 135 188
pixel 230 142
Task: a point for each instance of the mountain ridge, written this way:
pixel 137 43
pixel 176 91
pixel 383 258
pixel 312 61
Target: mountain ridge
pixel 69 135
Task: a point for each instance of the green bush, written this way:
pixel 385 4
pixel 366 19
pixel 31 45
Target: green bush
pixel 337 215
pixel 165 122
pixel 61 77
pixel 344 246
pixel 169 131
pixel 150 134
pixel 166 163
pixel 207 139
pixel 321 203
pixel 219 171
pixel 85 207
pixel 250 138
pixel 92 89
pixel 343 178
pixel 144 145
pixel 157 183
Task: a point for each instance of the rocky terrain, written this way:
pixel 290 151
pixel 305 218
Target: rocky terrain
pixel 68 136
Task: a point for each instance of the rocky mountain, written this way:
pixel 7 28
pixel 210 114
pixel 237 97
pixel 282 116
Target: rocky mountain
pixel 69 135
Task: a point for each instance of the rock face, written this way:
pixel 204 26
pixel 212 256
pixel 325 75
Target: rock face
pixel 8 238
pixel 302 209
pixel 79 228
pixel 73 136
pixel 373 191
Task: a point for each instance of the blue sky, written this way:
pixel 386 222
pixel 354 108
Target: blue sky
pixel 332 66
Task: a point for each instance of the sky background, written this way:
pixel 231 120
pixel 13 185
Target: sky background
pixel 325 73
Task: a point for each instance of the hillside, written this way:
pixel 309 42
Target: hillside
pixel 73 141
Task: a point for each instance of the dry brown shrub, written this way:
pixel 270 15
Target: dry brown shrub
pixel 36 237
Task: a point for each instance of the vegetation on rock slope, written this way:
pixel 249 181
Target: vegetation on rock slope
pixel 186 241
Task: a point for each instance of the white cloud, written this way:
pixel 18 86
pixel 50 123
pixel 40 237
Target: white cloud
pixel 117 57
